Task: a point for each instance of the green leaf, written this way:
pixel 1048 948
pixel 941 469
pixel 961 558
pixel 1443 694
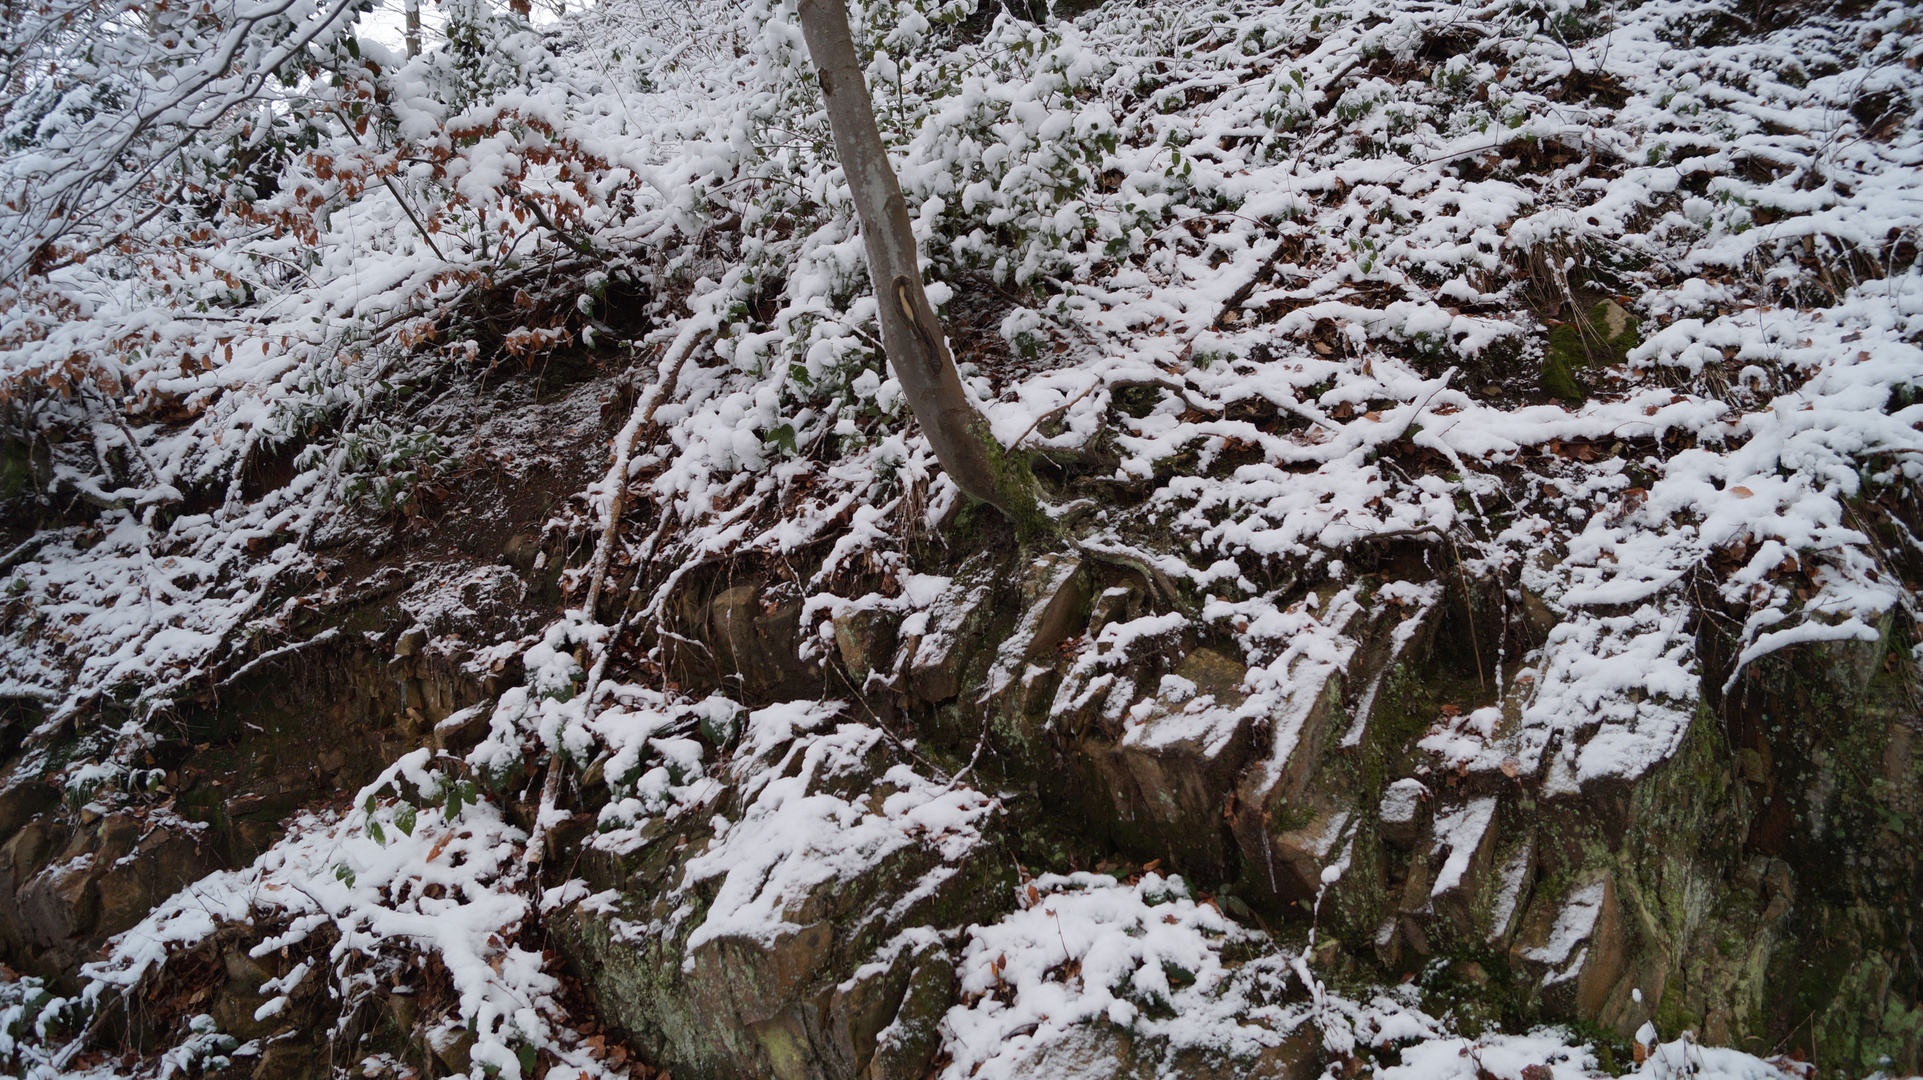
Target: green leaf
pixel 404 820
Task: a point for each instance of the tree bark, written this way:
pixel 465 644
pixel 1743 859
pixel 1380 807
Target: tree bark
pixel 911 334
pixel 413 10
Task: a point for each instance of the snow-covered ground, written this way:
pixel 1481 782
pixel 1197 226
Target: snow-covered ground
pixel 1330 239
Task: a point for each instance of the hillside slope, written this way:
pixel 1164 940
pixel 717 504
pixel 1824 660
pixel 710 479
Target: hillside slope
pixel 1472 628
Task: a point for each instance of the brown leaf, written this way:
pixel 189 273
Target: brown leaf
pixel 1742 492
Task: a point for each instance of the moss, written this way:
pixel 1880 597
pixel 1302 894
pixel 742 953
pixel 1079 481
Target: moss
pixel 1600 338
pixel 1016 486
pixel 1557 379
pixel 16 469
pixel 1137 401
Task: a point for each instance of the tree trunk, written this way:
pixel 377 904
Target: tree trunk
pixel 413 9
pixel 910 332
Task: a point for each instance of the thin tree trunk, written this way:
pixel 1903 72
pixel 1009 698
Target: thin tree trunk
pixel 413 8
pixel 910 332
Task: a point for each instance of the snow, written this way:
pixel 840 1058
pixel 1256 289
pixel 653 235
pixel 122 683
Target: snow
pixel 446 883
pixel 792 838
pixel 1085 947
pixel 1573 925
pixel 1402 801
pixel 1459 831
pixel 1312 300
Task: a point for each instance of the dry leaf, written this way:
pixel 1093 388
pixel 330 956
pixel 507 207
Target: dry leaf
pixel 1741 492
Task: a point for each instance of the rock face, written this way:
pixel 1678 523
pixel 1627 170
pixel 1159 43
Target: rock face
pixel 1680 862
pixel 1401 755
pixel 808 1004
pixel 1711 861
pixel 1464 471
pixel 1672 863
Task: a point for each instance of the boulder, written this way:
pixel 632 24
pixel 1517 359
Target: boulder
pixel 1167 779
pixel 59 904
pixel 162 863
pixel 1403 812
pixel 904 1047
pixel 865 638
pixel 22 799
pixel 1569 950
pixel 848 988
pixel 1054 601
pixel 951 632
pixel 1101 1050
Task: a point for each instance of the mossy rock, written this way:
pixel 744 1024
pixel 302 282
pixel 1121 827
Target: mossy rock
pixel 1602 338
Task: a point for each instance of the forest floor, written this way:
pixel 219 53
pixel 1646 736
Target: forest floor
pixel 1516 401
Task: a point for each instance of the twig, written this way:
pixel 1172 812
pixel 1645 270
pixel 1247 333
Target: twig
pixel 1469 609
pixel 684 346
pixel 1096 385
pixel 388 182
pixel 580 247
pixel 330 634
pixel 25 551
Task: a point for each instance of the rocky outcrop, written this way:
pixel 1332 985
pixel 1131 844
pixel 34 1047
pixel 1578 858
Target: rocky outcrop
pixel 1435 811
pixel 1681 860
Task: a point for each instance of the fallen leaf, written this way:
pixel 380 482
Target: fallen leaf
pixel 1742 492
